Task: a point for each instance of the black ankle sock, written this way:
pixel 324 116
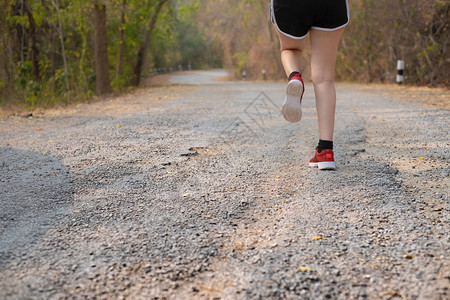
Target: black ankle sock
pixel 293 74
pixel 323 145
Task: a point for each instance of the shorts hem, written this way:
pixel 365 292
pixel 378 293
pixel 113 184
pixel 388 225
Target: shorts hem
pixel 274 20
pixel 336 28
pixel 291 36
pixel 329 29
pixel 272 16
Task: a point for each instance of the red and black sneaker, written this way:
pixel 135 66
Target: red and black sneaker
pixel 323 160
pixel 292 110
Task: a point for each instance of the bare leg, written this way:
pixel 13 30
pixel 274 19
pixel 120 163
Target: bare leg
pixel 291 52
pixel 324 45
pixel 291 55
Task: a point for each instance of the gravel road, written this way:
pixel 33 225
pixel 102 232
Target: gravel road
pixel 203 192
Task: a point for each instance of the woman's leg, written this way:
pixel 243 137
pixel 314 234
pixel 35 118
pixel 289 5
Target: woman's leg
pixel 324 45
pixel 291 56
pixel 291 52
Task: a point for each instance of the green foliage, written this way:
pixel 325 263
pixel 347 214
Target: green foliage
pixel 34 68
pixel 177 39
pixel 241 59
pixel 188 44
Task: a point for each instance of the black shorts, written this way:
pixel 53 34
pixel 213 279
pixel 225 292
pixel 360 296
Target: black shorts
pixel 294 18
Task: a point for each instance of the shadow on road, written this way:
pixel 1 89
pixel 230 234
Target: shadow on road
pixel 35 192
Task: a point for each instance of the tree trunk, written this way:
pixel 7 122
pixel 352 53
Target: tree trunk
pixel 63 51
pixel 143 50
pixel 121 40
pixel 102 83
pixel 34 47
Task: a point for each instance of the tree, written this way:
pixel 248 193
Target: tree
pixel 144 47
pixel 121 39
pixel 63 50
pixel 102 82
pixel 33 34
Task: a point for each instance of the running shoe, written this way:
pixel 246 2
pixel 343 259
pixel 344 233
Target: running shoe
pixel 323 160
pixel 292 110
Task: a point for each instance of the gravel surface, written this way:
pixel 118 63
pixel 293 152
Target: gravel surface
pixel 203 192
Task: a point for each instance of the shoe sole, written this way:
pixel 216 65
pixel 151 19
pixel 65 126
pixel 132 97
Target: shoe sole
pixel 326 165
pixel 292 110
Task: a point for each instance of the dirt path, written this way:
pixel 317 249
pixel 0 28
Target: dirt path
pixel 203 192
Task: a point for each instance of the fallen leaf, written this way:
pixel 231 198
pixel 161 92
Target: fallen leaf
pixel 317 238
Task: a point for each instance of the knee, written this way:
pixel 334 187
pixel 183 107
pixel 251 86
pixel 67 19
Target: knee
pixel 321 78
